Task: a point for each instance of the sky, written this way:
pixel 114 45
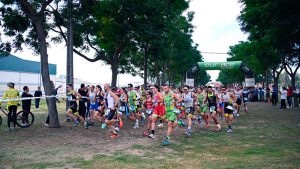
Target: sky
pixel 216 28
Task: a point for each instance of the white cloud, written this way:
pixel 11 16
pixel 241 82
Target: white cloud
pixel 217 28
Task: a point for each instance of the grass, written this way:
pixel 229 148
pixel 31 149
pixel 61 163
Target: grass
pixel 264 138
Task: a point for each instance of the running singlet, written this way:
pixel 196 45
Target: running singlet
pixel 226 98
pixel 99 99
pixel 10 94
pixel 72 99
pixel 109 101
pixel 188 100
pixel 245 95
pixel 168 100
pixel 238 94
pixel 92 97
pixel 212 100
pixel 132 97
pixel 149 104
pixel 200 99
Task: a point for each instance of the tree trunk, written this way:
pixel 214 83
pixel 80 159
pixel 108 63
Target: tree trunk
pixel 51 102
pixel 293 80
pixel 114 71
pixel 145 65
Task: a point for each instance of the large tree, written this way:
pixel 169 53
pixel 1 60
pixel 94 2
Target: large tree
pixel 25 22
pixel 275 24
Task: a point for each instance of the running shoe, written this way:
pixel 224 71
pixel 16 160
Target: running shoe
pixel 136 127
pixel 103 125
pixel 146 133
pixel 229 131
pixel 188 133
pixel 207 125
pixel 117 129
pixel 46 124
pixel 86 126
pixel 160 125
pixel 166 142
pixel 180 123
pixel 151 136
pixel 219 127
pixel 113 136
pixel 76 123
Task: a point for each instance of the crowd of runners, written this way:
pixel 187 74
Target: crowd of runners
pixel 156 106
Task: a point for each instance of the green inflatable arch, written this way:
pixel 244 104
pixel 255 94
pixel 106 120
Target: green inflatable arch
pixel 249 75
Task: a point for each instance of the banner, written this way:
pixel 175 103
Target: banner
pixel 219 65
pixel 249 82
pixel 190 82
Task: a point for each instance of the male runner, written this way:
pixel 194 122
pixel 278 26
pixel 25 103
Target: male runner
pixel 133 97
pixel 212 105
pixel 245 95
pixel 189 98
pixel 226 98
pixel 202 106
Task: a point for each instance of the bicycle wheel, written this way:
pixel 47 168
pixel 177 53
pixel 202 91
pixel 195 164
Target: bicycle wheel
pixel 23 121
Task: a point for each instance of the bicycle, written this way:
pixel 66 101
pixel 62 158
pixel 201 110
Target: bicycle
pixel 20 118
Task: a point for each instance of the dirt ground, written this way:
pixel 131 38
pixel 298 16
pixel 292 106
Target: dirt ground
pixel 42 144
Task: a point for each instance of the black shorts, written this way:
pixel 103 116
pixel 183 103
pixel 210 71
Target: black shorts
pixel 239 101
pixel 189 110
pixel 111 114
pixel 226 110
pixel 73 109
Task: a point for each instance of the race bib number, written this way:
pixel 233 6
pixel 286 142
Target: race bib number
pixel 246 98
pixel 149 111
pixel 69 98
pixel 132 108
pixel 177 111
pixel 122 108
pixel 212 108
pixel 229 107
pixel 107 112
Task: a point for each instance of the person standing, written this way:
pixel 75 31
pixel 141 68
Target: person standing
pixel 274 95
pixel 12 105
pixel 38 93
pixel 283 98
pixel 289 96
pixel 26 105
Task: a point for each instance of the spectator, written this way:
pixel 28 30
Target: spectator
pixel 26 104
pixel 268 94
pixel 38 93
pixel 283 98
pixel 289 96
pixel 274 95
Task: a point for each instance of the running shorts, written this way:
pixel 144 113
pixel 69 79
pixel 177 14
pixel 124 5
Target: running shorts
pixel 239 101
pixel 226 110
pixel 110 114
pixel 94 106
pixel 171 116
pixel 160 110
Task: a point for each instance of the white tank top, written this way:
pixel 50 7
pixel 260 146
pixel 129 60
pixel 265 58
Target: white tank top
pixel 226 97
pixel 109 100
pixel 188 100
pixel 92 97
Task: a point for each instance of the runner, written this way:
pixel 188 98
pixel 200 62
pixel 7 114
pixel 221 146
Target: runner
pixel 99 113
pixel 212 105
pixel 189 98
pixel 245 95
pixel 169 102
pixel 238 101
pixel 93 107
pixel 202 106
pixel 111 103
pixel 12 106
pixel 220 105
pixel 133 97
pixel 226 98
pixel 148 105
pixel 159 108
pixel 72 111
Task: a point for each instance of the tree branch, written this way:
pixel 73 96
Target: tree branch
pixel 27 8
pixel 44 6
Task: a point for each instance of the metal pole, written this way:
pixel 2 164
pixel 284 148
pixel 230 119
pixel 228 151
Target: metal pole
pixel 69 74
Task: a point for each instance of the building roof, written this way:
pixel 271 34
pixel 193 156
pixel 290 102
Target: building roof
pixel 15 64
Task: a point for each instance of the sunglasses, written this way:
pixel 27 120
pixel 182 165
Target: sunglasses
pixel 152 88
pixel 185 89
